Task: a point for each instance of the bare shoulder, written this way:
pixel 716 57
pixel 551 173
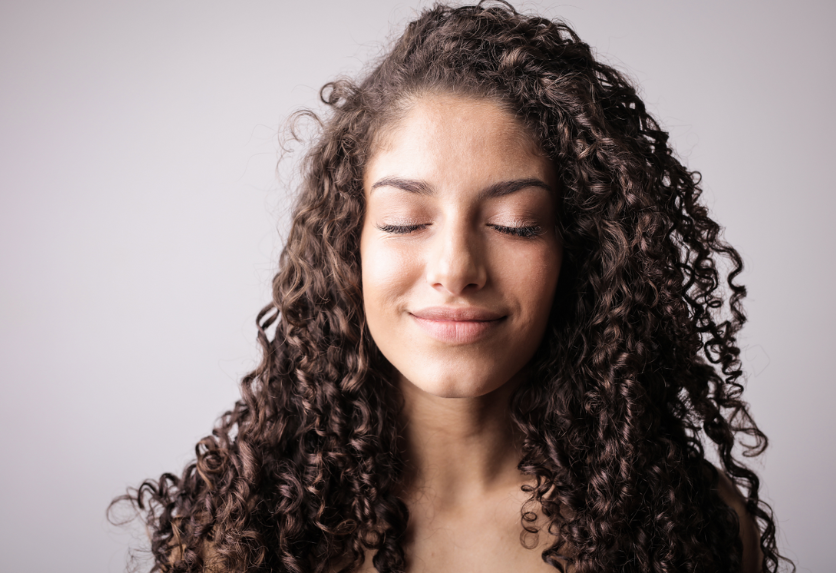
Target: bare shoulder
pixel 749 534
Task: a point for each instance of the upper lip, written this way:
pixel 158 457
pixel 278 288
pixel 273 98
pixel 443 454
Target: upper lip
pixel 457 314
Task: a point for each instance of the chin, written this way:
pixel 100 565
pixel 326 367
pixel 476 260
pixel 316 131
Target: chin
pixel 451 385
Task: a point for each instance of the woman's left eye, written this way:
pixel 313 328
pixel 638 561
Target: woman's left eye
pixel 525 232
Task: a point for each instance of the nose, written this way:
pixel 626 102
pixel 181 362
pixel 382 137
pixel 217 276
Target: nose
pixel 456 263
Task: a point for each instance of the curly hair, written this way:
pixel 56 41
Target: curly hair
pixel 639 370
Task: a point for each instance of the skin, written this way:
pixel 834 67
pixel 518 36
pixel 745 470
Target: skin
pixel 434 236
pixel 449 190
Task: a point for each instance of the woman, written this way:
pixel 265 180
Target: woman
pixel 500 340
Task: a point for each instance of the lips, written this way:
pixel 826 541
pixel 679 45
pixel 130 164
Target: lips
pixel 457 325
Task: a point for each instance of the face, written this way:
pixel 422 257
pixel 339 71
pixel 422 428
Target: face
pixel 459 251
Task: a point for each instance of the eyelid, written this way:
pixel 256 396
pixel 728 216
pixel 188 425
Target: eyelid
pixel 521 228
pixel 522 231
pixel 401 229
pixel 526 223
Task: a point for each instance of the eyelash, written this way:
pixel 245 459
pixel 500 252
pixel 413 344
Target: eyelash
pixel 399 229
pixel 522 232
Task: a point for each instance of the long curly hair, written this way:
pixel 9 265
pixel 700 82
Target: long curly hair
pixel 638 373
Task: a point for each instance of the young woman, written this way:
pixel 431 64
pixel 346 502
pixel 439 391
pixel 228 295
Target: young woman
pixel 499 338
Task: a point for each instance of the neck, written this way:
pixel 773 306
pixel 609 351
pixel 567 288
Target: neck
pixel 459 448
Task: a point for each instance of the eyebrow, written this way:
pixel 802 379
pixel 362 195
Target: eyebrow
pixel 496 190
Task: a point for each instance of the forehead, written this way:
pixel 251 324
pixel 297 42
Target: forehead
pixel 443 135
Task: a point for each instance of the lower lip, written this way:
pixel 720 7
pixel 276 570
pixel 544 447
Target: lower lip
pixel 457 331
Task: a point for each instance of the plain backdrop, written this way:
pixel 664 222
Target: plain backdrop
pixel 141 219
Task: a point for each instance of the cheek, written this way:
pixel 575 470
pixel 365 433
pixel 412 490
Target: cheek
pixel 532 276
pixel 388 274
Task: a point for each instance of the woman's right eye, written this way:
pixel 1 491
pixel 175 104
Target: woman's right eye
pixel 400 229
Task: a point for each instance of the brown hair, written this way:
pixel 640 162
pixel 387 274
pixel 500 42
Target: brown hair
pixel 639 368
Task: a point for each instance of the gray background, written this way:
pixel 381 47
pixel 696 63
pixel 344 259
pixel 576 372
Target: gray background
pixel 140 220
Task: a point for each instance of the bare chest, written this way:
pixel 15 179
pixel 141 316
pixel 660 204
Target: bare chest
pixel 488 541
pixel 458 553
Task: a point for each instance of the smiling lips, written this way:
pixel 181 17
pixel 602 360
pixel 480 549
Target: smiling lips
pixel 457 325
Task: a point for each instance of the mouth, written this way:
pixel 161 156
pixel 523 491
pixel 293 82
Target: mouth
pixel 457 325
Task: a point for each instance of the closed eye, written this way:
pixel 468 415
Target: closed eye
pixel 524 232
pixel 521 231
pixel 400 229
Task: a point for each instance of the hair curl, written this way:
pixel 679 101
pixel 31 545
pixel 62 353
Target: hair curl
pixel 639 367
